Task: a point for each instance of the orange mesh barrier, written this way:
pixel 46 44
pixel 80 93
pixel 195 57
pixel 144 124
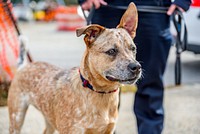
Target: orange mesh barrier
pixel 9 43
pixel 68 19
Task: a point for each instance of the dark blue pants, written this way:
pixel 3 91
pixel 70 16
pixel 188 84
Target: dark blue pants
pixel 153 41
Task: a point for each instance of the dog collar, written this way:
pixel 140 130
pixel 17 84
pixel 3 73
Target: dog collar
pixel 86 83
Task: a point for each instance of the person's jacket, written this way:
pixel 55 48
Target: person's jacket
pixel 185 4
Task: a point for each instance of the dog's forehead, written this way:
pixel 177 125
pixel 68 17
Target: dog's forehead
pixel 117 32
pixel 114 35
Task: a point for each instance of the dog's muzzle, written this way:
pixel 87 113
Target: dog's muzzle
pixel 129 76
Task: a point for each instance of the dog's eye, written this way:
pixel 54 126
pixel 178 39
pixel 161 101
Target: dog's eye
pixel 112 52
pixel 133 48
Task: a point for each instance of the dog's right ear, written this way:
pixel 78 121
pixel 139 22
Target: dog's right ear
pixel 91 33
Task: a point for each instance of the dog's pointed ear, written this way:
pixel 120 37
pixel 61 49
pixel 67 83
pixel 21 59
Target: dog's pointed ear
pixel 129 20
pixel 91 32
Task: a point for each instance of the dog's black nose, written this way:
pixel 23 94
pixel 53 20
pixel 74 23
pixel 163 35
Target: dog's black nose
pixel 134 66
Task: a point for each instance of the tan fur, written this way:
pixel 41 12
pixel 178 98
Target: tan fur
pixel 66 105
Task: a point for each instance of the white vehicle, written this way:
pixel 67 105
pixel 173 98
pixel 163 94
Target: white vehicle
pixel 192 20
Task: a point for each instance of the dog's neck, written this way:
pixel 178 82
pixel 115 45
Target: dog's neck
pixel 98 83
pixel 87 84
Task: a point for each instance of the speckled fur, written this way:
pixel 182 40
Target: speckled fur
pixel 66 105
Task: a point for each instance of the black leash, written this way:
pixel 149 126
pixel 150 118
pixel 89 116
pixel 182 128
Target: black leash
pixel 181 29
pixel 150 9
pixel 181 42
pixel 90 15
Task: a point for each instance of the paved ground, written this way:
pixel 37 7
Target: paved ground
pixel 182 104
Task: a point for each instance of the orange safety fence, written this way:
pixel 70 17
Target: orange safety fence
pixel 9 44
pixel 67 18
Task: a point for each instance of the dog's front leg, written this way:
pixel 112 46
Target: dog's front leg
pixel 49 128
pixel 110 128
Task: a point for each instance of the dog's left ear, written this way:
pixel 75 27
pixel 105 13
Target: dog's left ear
pixel 91 33
pixel 129 20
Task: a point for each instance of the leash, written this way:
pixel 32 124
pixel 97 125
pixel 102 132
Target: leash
pixel 90 15
pixel 182 34
pixel 181 42
pixel 150 9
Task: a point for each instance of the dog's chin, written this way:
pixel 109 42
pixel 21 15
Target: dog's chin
pixel 122 81
pixel 128 82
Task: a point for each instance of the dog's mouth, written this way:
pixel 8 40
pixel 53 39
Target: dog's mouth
pixel 131 80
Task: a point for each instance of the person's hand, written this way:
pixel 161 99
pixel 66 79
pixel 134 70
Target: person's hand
pixel 89 3
pixel 172 9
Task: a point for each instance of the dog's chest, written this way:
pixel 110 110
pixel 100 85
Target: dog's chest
pixel 82 114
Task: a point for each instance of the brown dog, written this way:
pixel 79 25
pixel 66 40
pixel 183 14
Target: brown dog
pixel 83 100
